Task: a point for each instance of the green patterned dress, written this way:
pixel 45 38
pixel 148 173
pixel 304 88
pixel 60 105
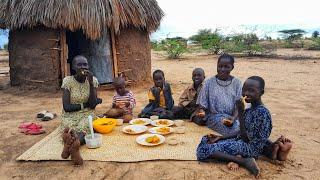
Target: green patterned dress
pixel 79 93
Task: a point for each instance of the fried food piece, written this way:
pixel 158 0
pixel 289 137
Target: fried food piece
pixel 130 131
pixel 153 139
pixel 162 122
pixel 139 121
pixel 163 130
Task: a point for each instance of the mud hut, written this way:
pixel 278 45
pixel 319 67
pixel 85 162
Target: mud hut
pixel 45 36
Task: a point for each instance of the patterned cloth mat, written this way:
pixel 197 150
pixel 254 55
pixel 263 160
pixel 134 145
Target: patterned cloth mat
pixel 120 147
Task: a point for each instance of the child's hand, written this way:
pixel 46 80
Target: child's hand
pixel 201 113
pixel 212 138
pixel 127 104
pixel 240 106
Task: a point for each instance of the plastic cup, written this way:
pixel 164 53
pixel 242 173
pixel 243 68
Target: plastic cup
pixel 119 122
pixel 154 118
pixel 94 142
pixel 180 130
pixel 179 123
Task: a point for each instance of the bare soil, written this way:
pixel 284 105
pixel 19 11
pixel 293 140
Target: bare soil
pixel 292 94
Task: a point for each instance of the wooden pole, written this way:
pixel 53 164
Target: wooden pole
pixel 114 53
pixel 63 54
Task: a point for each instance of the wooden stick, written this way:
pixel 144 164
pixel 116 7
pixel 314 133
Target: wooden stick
pixel 114 53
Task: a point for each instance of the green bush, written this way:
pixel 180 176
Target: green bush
pixel 315 44
pixel 174 48
pixel 209 40
pixel 157 46
pixel 247 44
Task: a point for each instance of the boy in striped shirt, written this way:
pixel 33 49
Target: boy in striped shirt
pixel 123 102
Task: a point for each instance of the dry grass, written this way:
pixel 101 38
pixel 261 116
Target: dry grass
pixel 93 16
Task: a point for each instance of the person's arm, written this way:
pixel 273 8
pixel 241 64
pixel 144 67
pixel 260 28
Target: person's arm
pixel 67 106
pixel 92 100
pixel 183 100
pixel 240 110
pixel 132 101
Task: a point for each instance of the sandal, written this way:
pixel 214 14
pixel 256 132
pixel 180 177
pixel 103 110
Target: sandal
pixel 48 116
pixel 34 131
pixel 41 114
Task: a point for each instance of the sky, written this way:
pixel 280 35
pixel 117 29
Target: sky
pixel 186 17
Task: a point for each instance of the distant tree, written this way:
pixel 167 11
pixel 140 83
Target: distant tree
pixel 315 34
pixel 292 35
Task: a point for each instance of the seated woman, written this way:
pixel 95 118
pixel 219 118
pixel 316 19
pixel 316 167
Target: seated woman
pixel 79 101
pixel 218 97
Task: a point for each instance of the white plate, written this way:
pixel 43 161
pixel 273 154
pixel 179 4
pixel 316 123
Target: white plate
pixel 156 123
pixel 146 121
pixel 138 129
pixel 155 130
pixel 142 139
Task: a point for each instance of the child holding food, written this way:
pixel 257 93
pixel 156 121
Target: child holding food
pixel 255 129
pixel 160 98
pixel 123 101
pixel 187 107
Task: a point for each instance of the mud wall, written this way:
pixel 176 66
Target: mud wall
pixel 134 54
pixel 34 58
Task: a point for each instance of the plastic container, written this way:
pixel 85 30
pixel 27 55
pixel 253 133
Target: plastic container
pixel 119 122
pixel 179 123
pixel 96 142
pixel 154 118
pixel 180 130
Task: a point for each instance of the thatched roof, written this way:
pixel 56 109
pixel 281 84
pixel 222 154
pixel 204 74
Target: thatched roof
pixel 92 16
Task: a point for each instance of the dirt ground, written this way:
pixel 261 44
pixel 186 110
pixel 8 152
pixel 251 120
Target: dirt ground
pixel 292 94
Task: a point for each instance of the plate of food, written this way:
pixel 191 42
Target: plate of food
pixel 150 139
pixel 162 123
pixel 140 121
pixel 134 129
pixel 161 130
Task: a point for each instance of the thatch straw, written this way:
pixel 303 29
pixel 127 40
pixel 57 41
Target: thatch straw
pixel 92 16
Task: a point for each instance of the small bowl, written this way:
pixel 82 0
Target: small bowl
pixel 96 142
pixel 119 122
pixel 172 141
pixel 179 123
pixel 180 130
pixel 154 118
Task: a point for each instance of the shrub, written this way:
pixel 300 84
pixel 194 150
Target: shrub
pixel 209 40
pixel 174 48
pixel 315 44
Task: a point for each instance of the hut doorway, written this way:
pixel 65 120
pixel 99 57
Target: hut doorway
pixel 98 53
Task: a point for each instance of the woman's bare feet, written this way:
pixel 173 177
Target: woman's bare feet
pixel 285 146
pixel 67 141
pixel 251 165
pixel 75 151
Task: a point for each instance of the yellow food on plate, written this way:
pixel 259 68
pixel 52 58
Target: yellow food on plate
pixel 153 139
pixel 163 130
pixel 128 130
pixel 139 121
pixel 104 125
pixel 162 122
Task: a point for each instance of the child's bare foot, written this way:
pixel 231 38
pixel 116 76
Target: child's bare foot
pixel 233 166
pixel 275 150
pixel 284 148
pixel 75 152
pixel 252 166
pixel 66 137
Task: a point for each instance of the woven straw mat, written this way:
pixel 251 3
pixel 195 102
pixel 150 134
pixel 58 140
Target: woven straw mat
pixel 120 147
